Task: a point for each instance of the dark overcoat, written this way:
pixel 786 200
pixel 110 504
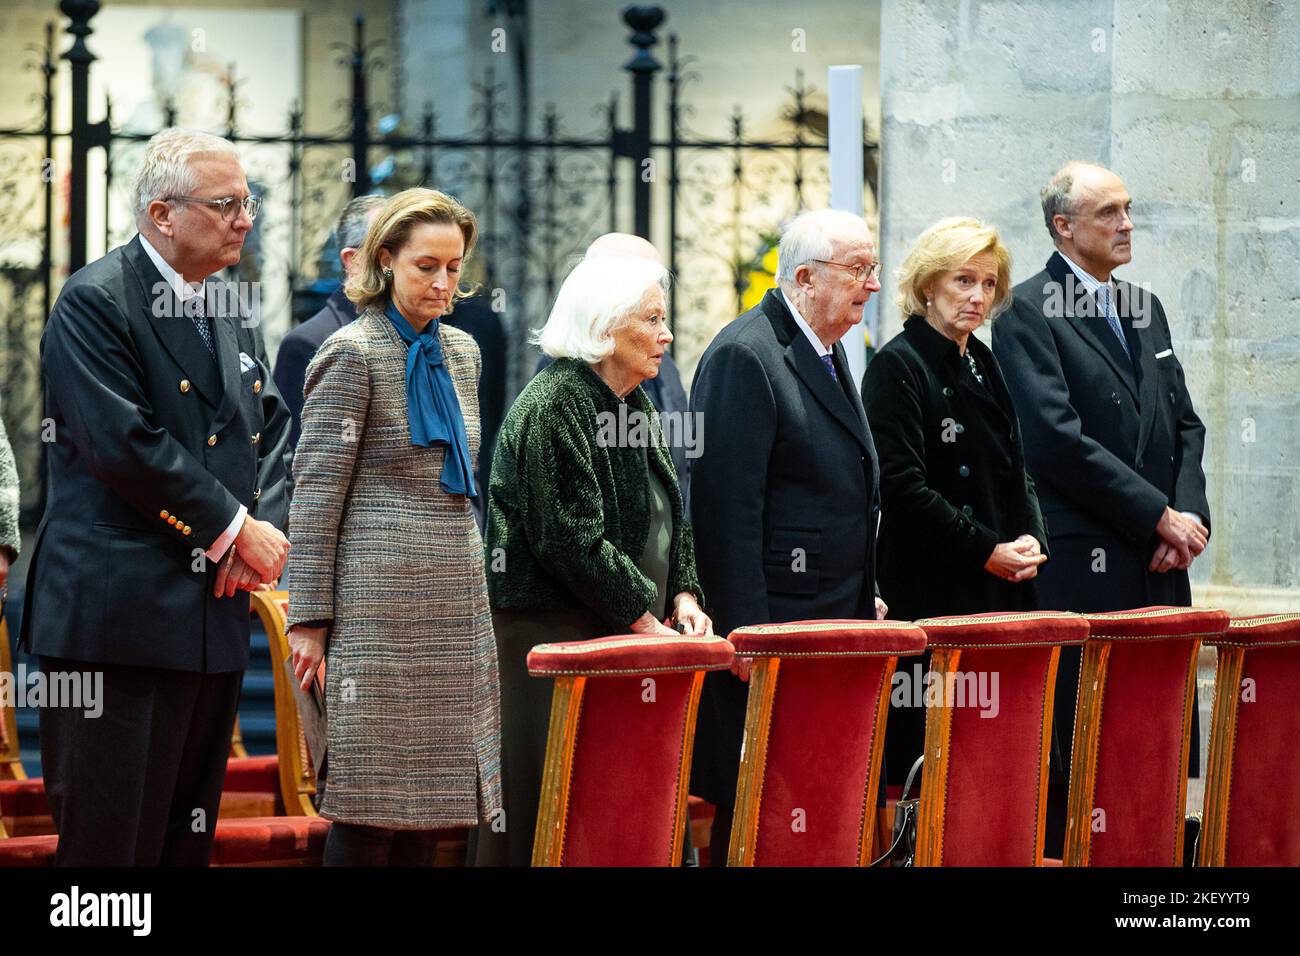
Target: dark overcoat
pixel 784 499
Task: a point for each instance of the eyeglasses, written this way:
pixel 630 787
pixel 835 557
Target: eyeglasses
pixel 860 273
pixel 227 206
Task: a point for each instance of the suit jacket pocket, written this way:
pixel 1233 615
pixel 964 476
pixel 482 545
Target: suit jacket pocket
pixel 792 577
pixel 786 540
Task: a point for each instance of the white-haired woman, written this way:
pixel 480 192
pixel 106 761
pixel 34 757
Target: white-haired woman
pixel 586 531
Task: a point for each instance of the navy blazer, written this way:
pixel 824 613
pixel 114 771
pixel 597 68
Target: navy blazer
pixel 155 447
pixel 1110 441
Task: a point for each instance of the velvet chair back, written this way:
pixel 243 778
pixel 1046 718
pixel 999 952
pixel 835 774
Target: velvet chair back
pixel 988 728
pixel 1132 735
pixel 618 754
pixel 814 729
pixel 1252 786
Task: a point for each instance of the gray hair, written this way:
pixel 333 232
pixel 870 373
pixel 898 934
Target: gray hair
pixel 165 170
pixel 354 221
pixel 1056 197
pixel 598 294
pixel 812 235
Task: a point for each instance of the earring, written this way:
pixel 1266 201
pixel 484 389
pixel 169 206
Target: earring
pixel 388 275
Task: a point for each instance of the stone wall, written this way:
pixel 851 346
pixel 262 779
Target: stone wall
pixel 1197 106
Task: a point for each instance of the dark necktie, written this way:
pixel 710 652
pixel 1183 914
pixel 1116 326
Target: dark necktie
pixel 829 362
pixel 202 323
pixel 1108 310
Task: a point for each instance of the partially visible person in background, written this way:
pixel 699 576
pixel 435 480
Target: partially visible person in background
pixel 665 389
pixel 961 531
pixel 590 526
pixel 10 542
pixel 299 347
pixel 479 315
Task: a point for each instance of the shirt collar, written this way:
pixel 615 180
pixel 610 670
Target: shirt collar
pixel 184 290
pixel 1090 283
pixel 817 343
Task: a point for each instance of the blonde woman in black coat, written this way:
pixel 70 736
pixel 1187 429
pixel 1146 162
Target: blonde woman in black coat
pixel 961 531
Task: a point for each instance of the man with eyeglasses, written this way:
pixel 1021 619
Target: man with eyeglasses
pixel 166 500
pixel 785 495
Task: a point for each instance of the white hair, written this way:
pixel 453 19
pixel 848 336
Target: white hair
pixel 812 235
pixel 598 294
pixel 165 170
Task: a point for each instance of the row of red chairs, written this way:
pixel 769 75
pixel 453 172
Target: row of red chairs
pixel 818 701
pixel 622 729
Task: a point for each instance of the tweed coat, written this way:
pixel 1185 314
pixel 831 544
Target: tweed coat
pixel 396 564
pixel 9 537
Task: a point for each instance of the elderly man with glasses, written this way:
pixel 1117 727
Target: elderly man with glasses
pixel 166 500
pixel 785 495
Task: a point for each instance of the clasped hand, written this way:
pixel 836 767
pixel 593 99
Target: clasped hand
pixel 1016 560
pixel 1182 539
pixel 254 561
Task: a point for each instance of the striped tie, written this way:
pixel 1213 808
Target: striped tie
pixel 1108 309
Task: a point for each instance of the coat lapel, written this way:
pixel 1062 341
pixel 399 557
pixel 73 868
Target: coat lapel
pixel 1083 315
pixel 1129 304
pixel 227 343
pixel 808 366
pixel 174 328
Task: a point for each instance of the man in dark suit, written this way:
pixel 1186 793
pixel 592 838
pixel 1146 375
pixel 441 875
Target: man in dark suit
pixel 474 314
pixel 299 346
pixel 785 496
pixel 1111 438
pixel 166 496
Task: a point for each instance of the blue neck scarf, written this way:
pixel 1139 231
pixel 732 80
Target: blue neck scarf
pixel 432 408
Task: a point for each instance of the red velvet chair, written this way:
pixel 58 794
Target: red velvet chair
pixel 1132 734
pixel 618 754
pixel 252 786
pixel 294 839
pixel 814 729
pixel 984 782
pixel 1252 788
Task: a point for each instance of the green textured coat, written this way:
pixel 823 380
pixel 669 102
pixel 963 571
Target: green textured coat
pixel 568 514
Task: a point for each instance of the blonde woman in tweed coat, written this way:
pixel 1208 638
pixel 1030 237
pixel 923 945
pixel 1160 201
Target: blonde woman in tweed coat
pixel 386 573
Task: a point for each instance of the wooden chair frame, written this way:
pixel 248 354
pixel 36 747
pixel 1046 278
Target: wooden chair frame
pixel 297 776
pixel 561 742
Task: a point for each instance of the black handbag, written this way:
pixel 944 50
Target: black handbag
pixel 903 850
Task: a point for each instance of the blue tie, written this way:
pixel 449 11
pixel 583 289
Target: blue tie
pixel 829 362
pixel 1108 308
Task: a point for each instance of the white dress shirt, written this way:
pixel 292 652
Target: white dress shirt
pixel 186 291
pixel 817 343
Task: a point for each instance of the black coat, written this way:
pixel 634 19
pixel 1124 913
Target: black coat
pixel 1110 443
pixel 784 502
pixel 147 426
pixel 952 476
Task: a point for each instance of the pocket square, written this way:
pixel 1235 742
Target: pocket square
pixel 1165 354
pixel 245 362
